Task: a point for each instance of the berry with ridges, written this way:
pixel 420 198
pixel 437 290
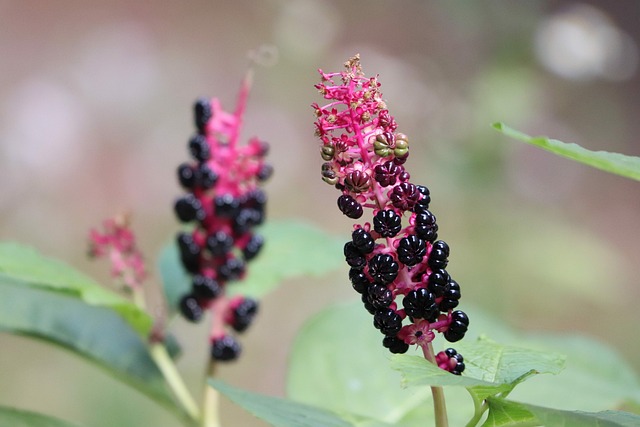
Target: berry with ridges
pixel 395 344
pixel 199 148
pixel 219 243
pixel 202 113
pixel 426 197
pixel 451 296
pixel 420 304
pixel 208 178
pixel 388 321
pixel 243 314
pixel 458 326
pixel 353 256
pixel 252 249
pixel 205 287
pixel 187 176
pixel 387 223
pixel 404 196
pixel 362 240
pixel 190 308
pixel 359 280
pixel 438 255
pixel 386 173
pixel 349 206
pixel 379 296
pixel 383 268
pixel 189 252
pixel 226 205
pixel 411 250
pixel 437 282
pixel 232 269
pixel 189 208
pixel 225 349
pixel 265 172
pixel 425 225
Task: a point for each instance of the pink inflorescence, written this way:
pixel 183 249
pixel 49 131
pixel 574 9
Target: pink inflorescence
pixel 118 242
pixel 396 261
pixel 225 202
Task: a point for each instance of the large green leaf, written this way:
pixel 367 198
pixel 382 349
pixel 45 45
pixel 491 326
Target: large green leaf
pixel 30 267
pixel 95 333
pixel 10 417
pixel 287 413
pixel 291 249
pixel 504 413
pixel 620 164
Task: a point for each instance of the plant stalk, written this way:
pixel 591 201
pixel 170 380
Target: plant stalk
pixel 439 404
pixel 211 402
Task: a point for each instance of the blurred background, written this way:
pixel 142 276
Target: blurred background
pixel 95 115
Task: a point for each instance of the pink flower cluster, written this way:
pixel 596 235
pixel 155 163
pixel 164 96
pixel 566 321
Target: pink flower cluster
pixel 399 268
pixel 225 202
pixel 118 243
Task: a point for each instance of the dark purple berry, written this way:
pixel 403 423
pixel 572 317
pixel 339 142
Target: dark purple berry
pixel 357 181
pixel 386 173
pixel 425 225
pixel 246 219
pixel 395 344
pixel 411 250
pixel 232 269
pixel 362 240
pixel 437 282
pixel 383 268
pixel 253 247
pixel 404 176
pixel 450 352
pixel 199 148
pixel 458 326
pixel 189 252
pixel 207 177
pixel 189 208
pixel 225 349
pixel 425 198
pixel 367 304
pixel 244 314
pixel 420 304
pixel 379 296
pixel 404 196
pixel 349 206
pixel 388 321
pixel 265 172
pixel 188 176
pixel 438 255
pixel 205 287
pixel 190 308
pixel 451 296
pixel 226 205
pixel 353 256
pixel 359 280
pixel 202 113
pixel 219 243
pixel 387 223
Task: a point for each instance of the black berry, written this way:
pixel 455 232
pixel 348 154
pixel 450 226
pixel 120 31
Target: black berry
pixel 425 225
pixel 451 296
pixel 359 280
pixel 383 268
pixel 404 196
pixel 362 240
pixel 388 321
pixel 208 178
pixel 265 172
pixel 202 113
pixel 458 326
pixel 421 304
pixel 387 223
pixel 411 250
pixel 189 208
pixel 379 296
pixel 190 308
pixel 219 243
pixel 425 198
pixel 438 255
pixel 395 344
pixel 353 256
pixel 232 269
pixel 243 314
pixel 437 282
pixel 189 252
pixel 205 287
pixel 253 247
pixel 349 206
pixel 226 205
pixel 386 173
pixel 187 175
pixel 199 148
pixel 225 349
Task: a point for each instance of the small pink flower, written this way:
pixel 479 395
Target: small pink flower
pixel 417 333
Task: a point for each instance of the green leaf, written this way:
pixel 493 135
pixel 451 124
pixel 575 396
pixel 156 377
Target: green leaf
pixel 98 334
pixel 10 417
pixel 338 363
pixel 619 164
pixel 291 249
pixel 28 266
pixel 287 413
pixel 491 368
pixel 508 413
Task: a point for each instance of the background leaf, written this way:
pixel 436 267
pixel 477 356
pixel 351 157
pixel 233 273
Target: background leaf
pixel 33 269
pixel 95 333
pixel 619 164
pixel 10 417
pixel 286 413
pixel 292 249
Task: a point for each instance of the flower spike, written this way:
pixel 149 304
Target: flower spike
pixel 395 259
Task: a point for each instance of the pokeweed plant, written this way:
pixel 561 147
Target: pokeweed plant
pixel 338 375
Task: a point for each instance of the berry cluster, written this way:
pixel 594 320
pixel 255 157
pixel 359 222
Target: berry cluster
pixel 399 269
pixel 224 200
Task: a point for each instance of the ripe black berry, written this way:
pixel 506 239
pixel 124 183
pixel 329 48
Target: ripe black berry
pixel 201 113
pixel 188 208
pixel 353 256
pixel 438 255
pixel 458 326
pixel 367 304
pixel 425 225
pixel 387 223
pixel 451 296
pixel 189 252
pixel 187 175
pixel 219 243
pixel 225 349
pixel 421 304
pixel 232 269
pixel 243 314
pixel 253 247
pixel 190 308
pixel 425 198
pixel 359 280
pixel 362 240
pixel 404 196
pixel 411 250
pixel 379 296
pixel 395 344
pixel 437 282
pixel 246 219
pixel 265 172
pixel 205 287
pixel 383 268
pixel 199 148
pixel 349 206
pixel 226 205
pixel 207 177
pixel 386 173
pixel 388 321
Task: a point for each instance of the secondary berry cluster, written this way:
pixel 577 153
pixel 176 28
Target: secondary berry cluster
pixel 225 202
pixel 397 263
